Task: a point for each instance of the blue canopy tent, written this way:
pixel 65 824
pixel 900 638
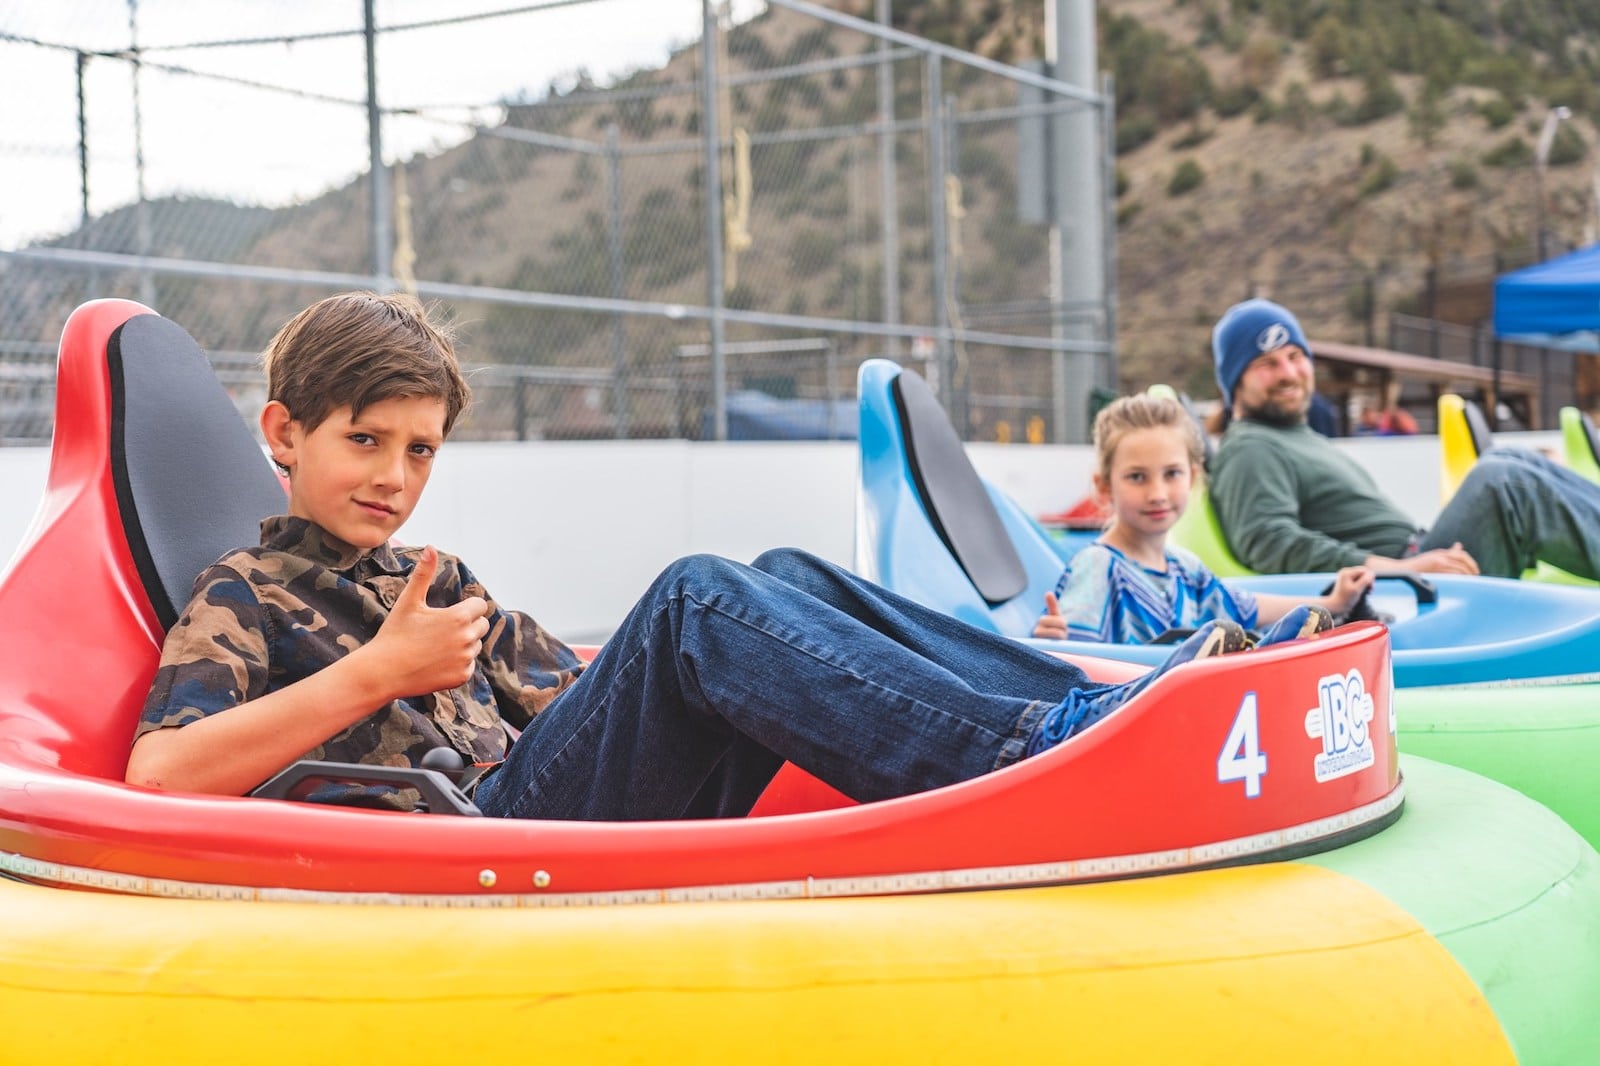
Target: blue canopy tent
pixel 1555 304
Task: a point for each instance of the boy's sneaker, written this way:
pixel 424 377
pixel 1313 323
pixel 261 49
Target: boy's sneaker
pixel 1085 706
pixel 1299 623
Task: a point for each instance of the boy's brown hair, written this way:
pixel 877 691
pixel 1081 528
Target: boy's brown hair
pixel 360 348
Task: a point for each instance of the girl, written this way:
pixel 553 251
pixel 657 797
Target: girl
pixel 1130 585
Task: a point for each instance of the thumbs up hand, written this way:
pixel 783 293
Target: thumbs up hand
pixel 1051 626
pixel 428 649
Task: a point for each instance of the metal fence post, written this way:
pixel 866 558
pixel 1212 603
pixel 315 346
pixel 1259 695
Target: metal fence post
pixel 960 385
pixel 713 195
pixel 1108 214
pixel 1370 285
pixel 1078 237
pixel 83 143
pixel 888 192
pixel 141 206
pixel 938 238
pixel 619 354
pixel 382 254
pixel 831 369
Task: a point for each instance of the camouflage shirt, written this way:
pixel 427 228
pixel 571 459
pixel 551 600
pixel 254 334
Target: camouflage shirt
pixel 263 618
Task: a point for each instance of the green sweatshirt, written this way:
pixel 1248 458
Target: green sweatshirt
pixel 1291 502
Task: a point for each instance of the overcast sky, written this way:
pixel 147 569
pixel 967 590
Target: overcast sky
pixel 204 136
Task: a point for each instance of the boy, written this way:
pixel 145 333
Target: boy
pixel 325 642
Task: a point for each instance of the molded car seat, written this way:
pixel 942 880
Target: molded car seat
pixel 1581 442
pixel 153 475
pixel 1464 435
pixel 927 525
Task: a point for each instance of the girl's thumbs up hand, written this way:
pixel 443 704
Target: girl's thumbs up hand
pixel 1051 626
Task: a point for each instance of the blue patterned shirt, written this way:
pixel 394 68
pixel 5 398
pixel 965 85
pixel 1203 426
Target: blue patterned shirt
pixel 1107 597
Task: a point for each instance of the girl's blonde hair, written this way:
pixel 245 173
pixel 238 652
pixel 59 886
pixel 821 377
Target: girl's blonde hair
pixel 1143 411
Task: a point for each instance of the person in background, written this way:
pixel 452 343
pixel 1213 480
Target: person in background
pixel 1290 501
pixel 1390 420
pixel 1131 585
pixel 1323 415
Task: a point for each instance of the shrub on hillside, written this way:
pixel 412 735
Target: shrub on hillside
pixel 1186 178
pixel 1152 74
pixel 1378 177
pixel 1297 109
pixel 1234 99
pixel 1463 174
pixel 1511 152
pixel 1133 131
pixel 1497 112
pixel 1327 48
pixel 1427 117
pixel 1259 62
pixel 1511 75
pixel 1379 99
pixel 1179 86
pixel 1568 146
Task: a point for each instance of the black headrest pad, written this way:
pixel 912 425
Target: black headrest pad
pixel 957 503
pixel 1478 427
pixel 191 481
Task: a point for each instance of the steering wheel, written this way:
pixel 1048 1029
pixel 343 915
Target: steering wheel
pixel 1363 611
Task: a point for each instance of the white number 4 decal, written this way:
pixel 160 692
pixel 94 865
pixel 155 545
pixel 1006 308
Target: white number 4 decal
pixel 1242 758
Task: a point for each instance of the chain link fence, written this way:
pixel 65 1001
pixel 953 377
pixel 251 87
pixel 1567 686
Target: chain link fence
pixel 870 194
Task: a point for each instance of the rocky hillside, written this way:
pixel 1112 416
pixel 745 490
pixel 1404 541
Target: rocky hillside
pixel 1339 216
pixel 1331 153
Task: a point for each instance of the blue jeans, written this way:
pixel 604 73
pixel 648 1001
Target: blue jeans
pixel 1516 507
pixel 721 672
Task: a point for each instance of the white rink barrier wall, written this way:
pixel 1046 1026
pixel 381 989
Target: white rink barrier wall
pixel 573 532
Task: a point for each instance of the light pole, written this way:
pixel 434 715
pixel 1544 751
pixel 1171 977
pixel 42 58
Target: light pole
pixel 1547 137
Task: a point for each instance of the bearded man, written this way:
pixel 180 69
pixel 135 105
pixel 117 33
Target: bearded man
pixel 1290 501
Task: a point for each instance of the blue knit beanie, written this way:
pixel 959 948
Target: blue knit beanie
pixel 1247 330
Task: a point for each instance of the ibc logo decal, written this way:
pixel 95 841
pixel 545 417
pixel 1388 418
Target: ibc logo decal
pixel 1341 718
